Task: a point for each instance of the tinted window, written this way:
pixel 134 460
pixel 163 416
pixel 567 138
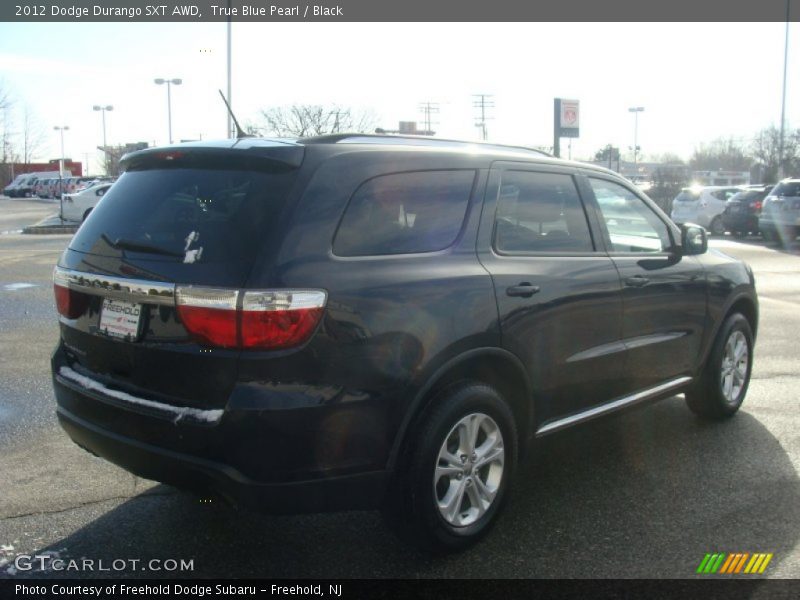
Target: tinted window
pixel 405 213
pixel 791 188
pixel 687 196
pixel 185 215
pixel 540 212
pixel 632 225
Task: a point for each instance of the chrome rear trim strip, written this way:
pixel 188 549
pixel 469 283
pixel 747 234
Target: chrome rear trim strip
pixel 623 402
pixel 121 288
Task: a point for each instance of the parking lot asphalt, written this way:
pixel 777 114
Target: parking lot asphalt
pixel 643 494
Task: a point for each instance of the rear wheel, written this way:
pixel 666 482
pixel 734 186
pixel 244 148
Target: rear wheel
pixel 717 227
pixel 458 472
pixel 723 384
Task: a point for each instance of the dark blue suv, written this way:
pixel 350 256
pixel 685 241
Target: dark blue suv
pixel 366 322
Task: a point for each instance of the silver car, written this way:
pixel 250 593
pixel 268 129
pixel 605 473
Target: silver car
pixel 703 206
pixel 780 213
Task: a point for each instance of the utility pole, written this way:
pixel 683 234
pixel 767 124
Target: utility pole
pixel 482 102
pixel 783 100
pixel 428 108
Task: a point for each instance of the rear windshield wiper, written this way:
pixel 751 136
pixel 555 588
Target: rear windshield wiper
pixel 123 244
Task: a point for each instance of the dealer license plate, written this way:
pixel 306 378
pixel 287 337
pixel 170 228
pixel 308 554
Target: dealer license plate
pixel 120 319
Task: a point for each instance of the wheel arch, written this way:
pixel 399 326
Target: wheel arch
pixel 493 366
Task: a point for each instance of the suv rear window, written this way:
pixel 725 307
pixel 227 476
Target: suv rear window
pixel 687 196
pixel 405 213
pixel 185 215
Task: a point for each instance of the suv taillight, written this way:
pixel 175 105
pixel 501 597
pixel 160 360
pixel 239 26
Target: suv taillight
pixel 266 320
pixel 69 303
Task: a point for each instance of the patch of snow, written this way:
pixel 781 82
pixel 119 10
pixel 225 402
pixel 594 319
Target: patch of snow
pixel 193 255
pixel 6 548
pixel 180 412
pixel 192 237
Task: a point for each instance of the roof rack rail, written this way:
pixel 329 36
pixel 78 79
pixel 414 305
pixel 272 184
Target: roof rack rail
pixel 410 140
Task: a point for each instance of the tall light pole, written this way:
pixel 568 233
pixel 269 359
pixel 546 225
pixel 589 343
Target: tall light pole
pixel 169 82
pixel 783 99
pixel 103 109
pixel 636 110
pixel 61 130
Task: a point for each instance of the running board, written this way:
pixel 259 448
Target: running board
pixel 603 409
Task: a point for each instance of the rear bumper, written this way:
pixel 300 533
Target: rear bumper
pixel 740 222
pixel 288 460
pixel 361 491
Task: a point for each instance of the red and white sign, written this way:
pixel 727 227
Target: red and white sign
pixel 570 114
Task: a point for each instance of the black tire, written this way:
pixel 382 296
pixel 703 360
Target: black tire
pixel 412 508
pixel 86 214
pixel 717 227
pixel 708 397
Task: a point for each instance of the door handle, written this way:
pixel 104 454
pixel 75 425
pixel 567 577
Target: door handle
pixel 637 281
pixel 523 290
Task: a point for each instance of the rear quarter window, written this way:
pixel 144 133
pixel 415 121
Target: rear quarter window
pixel 405 213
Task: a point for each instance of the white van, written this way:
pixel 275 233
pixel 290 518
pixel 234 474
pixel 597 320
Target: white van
pixel 23 184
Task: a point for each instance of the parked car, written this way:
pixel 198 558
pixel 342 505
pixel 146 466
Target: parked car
pixel 77 206
pixel 357 321
pixel 703 205
pixel 780 214
pixel 743 209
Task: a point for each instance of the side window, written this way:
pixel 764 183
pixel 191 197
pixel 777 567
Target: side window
pixel 632 225
pixel 404 213
pixel 540 212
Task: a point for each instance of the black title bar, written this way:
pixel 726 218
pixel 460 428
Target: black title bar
pixel 397 10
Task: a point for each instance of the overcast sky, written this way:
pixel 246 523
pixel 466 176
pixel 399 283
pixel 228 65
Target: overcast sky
pixel 696 82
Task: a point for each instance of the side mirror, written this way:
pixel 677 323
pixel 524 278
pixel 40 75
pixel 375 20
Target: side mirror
pixel 694 239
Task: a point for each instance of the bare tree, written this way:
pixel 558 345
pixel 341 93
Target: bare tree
pixel 766 150
pixel 721 154
pixel 33 136
pixel 301 120
pixel 7 154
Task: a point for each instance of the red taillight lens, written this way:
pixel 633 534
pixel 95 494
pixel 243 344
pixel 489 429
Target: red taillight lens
pixel 267 320
pixel 209 315
pixel 210 326
pixel 70 303
pixel 279 328
pixel 756 205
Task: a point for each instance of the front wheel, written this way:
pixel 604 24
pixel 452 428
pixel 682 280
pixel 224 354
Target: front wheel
pixel 458 470
pixel 723 384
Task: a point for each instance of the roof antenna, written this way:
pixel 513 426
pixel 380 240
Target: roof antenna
pixel 239 131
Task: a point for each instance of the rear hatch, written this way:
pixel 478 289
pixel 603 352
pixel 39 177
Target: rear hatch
pixel 685 205
pixel 147 286
pixel 746 202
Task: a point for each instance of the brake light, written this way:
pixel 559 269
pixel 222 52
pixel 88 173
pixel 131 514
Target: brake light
pixel 269 319
pixel 70 303
pixel 757 205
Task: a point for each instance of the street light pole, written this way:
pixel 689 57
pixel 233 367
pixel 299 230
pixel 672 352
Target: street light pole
pixel 103 110
pixel 636 110
pixel 169 82
pixel 61 130
pixel 783 99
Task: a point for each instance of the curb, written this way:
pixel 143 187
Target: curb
pixel 45 229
